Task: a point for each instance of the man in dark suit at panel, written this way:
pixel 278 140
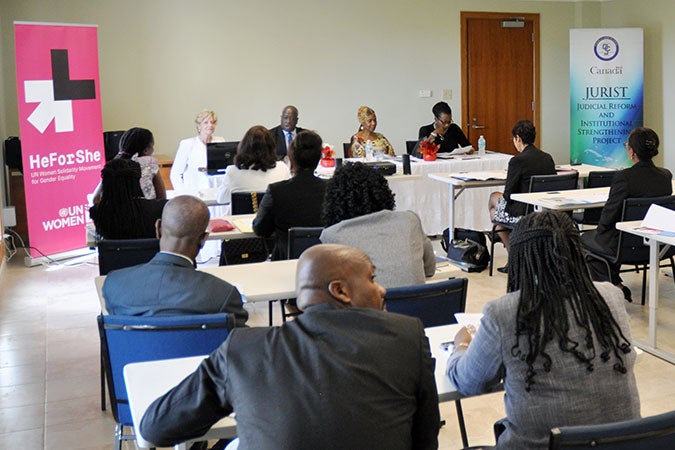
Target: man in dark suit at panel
pixel 359 377
pixel 286 131
pixel 295 202
pixel 169 284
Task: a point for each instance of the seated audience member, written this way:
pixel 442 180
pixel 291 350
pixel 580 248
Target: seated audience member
pixel 366 132
pixel 169 284
pixel 188 170
pixel 443 131
pixel 138 144
pixel 528 162
pixel 285 132
pixel 362 378
pixel 295 202
pixel 560 342
pixel 255 165
pixel 643 179
pixel 358 211
pixel 122 212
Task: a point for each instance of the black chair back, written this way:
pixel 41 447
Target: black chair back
pixel 546 183
pixel 631 248
pixel 638 434
pixel 346 149
pixel 410 147
pixel 120 253
pixel 301 238
pixel 596 179
pixel 434 303
pixel 246 202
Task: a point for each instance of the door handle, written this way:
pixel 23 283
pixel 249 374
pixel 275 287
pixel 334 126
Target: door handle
pixel 477 127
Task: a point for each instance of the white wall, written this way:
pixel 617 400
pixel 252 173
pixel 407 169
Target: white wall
pixel 162 61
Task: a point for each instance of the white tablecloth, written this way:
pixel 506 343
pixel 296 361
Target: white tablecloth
pixel 430 199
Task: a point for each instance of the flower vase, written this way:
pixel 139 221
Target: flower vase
pixel 429 156
pixel 327 162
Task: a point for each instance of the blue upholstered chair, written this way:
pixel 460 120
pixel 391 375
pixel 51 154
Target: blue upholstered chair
pixel 128 339
pixel 647 433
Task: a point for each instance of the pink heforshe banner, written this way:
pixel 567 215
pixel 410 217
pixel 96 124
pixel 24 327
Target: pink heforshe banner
pixel 61 131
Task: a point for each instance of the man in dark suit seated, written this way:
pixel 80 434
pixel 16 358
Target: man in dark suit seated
pixel 286 131
pixel 360 377
pixel 295 202
pixel 169 284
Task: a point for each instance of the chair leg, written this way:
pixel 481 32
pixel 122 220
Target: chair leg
pixel 492 251
pixel 462 428
pixel 119 430
pixel 269 307
pixel 644 282
pixel 102 383
pixel 283 310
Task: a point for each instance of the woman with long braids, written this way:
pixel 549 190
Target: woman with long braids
pixel 560 342
pixel 123 212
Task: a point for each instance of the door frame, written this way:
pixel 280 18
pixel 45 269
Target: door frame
pixel 465 16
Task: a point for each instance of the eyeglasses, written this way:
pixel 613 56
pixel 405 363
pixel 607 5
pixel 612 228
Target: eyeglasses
pixel 289 117
pixel 447 124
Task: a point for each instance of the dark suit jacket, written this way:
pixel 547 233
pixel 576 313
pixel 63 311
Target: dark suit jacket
pixel 359 379
pixel 452 138
pixel 295 202
pixel 531 161
pixel 169 285
pixel 280 139
pixel 644 179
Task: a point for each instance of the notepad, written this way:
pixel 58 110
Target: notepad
pixel 244 225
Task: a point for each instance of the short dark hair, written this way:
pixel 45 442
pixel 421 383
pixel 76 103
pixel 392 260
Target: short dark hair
pixel 257 150
pixel 355 190
pixel 134 141
pixel 525 129
pixel 644 142
pixel 440 108
pixel 305 150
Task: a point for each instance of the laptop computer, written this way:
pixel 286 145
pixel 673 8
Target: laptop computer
pixel 219 155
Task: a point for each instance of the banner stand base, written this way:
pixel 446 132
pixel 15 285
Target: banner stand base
pixel 29 261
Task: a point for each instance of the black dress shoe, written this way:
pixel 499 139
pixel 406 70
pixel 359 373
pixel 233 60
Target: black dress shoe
pixel 627 294
pixel 504 269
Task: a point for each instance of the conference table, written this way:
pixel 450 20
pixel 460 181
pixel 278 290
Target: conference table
pixel 658 243
pixel 146 381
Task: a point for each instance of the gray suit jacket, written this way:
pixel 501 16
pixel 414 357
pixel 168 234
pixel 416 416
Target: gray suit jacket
pixel 334 378
pixel 567 395
pixel 170 285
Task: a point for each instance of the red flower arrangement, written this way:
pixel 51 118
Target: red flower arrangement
pixel 428 150
pixel 327 156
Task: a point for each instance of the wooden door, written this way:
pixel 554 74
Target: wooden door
pixel 500 75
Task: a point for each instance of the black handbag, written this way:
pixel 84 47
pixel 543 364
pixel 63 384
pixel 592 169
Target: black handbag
pixel 243 251
pixel 468 249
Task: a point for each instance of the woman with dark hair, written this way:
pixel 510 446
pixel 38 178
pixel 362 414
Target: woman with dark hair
pixel 643 179
pixel 123 212
pixel 295 202
pixel 358 211
pixel 255 165
pixel 443 131
pixel 560 342
pixel 528 162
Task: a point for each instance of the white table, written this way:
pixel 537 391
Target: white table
pixel 146 381
pixel 565 200
pixel 657 245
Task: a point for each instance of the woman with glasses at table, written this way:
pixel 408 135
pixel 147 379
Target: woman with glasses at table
pixel 560 342
pixel 643 179
pixel 443 131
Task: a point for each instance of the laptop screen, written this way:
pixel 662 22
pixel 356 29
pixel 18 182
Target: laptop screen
pixel 219 155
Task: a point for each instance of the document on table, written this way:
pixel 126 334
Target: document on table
pixel 244 225
pixel 659 219
pixel 480 176
pixel 588 199
pixel 461 150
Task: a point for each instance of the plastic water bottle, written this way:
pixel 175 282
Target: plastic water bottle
pixel 481 145
pixel 369 151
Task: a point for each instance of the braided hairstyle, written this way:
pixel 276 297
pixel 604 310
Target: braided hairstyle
pixel 355 190
pixel 118 215
pixel 134 141
pixel 557 295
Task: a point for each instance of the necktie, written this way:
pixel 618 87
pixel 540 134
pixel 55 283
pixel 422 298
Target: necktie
pixel 289 138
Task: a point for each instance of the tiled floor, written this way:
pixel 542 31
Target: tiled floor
pixel 49 350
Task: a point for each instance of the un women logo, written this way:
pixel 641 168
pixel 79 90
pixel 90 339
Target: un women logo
pixel 606 48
